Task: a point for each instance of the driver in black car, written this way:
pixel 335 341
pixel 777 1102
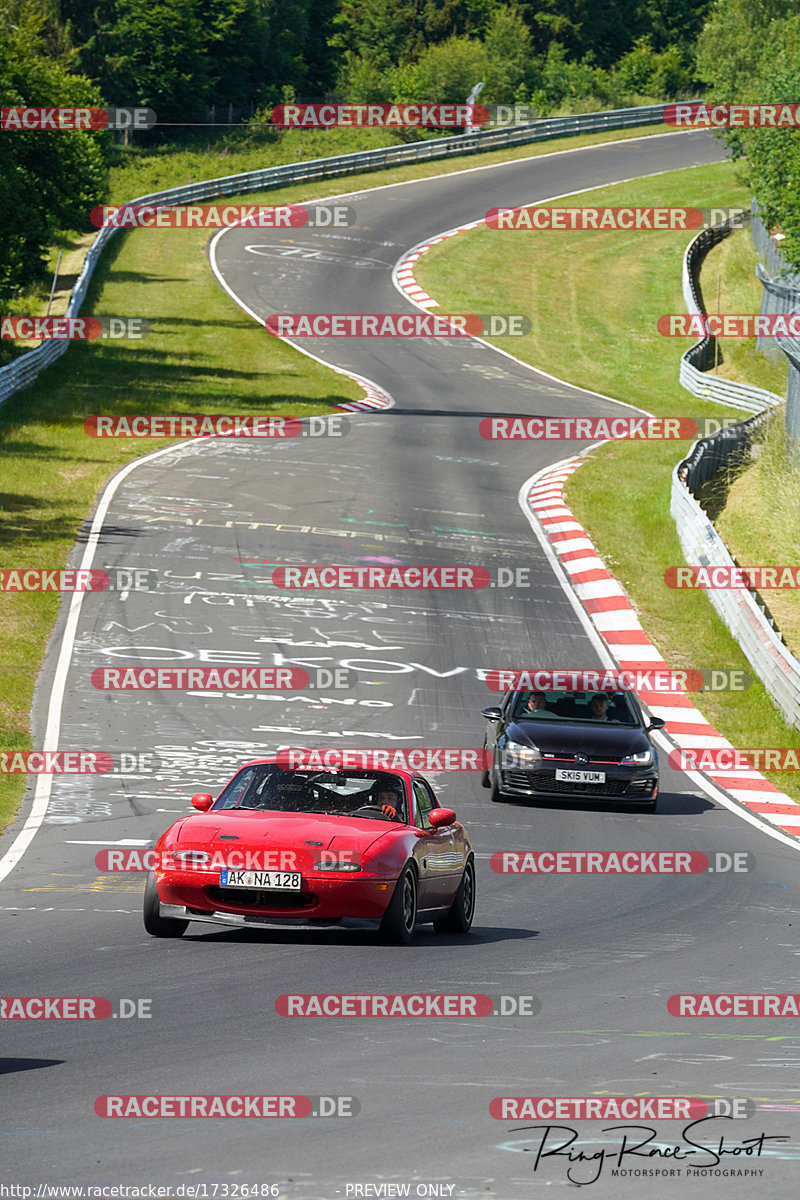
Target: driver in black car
pixel 598 707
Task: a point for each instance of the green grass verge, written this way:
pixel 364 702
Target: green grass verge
pixel 761 522
pixel 203 355
pixel 594 299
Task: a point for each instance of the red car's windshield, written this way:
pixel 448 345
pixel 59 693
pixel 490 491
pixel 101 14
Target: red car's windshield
pixel 268 787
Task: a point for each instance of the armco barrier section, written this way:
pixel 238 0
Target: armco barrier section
pixel 23 370
pixel 699 357
pixel 739 608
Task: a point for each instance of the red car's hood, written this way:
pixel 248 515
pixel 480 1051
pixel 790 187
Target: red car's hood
pixel 283 830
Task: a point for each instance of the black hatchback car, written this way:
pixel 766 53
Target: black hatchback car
pixel 572 746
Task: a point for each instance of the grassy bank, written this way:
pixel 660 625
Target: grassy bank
pixel 761 522
pixel 594 299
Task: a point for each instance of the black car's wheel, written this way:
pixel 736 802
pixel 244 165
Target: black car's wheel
pixel 459 918
pixel 485 779
pixel 495 795
pixel 154 923
pixel 401 916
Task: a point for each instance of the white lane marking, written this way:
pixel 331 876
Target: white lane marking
pixel 374 395
pixel 121 842
pixel 42 788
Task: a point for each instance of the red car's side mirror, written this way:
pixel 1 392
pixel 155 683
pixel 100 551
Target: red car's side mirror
pixel 202 801
pixel 441 816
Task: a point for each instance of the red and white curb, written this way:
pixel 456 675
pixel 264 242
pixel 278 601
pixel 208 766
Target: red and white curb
pixel 374 397
pixel 614 618
pixel 403 273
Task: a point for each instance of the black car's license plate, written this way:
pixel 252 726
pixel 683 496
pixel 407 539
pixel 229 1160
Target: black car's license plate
pixel 565 776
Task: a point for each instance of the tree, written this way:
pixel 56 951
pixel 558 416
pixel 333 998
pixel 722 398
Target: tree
pixel 49 180
pixel 509 53
pixel 151 54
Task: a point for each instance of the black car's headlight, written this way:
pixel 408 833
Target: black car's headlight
pixel 514 754
pixel 643 759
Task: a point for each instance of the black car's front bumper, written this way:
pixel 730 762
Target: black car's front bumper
pixel 631 784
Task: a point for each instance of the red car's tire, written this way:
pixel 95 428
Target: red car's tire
pixel 401 916
pixel 154 923
pixel 462 910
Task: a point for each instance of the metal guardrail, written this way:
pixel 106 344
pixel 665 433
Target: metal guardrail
pixel 697 359
pixel 741 609
pixel 23 370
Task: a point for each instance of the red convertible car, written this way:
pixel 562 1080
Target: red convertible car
pixel 283 845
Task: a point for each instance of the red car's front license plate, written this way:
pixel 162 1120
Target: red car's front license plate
pixel 271 880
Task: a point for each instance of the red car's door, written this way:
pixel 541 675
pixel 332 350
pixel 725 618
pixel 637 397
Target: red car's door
pixel 439 853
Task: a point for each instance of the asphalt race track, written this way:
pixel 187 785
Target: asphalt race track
pixel 415 484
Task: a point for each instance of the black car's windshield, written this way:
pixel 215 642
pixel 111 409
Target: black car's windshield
pixel 379 795
pixel 598 707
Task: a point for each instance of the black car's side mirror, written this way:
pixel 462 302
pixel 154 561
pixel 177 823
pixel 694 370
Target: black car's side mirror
pixel 492 714
pixel 656 723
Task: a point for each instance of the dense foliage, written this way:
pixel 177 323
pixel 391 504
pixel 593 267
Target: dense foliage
pixel 184 58
pixel 749 52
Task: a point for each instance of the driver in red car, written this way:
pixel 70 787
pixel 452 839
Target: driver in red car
pixel 389 802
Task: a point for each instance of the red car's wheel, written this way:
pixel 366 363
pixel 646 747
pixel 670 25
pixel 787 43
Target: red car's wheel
pixel 459 918
pixel 401 915
pixel 154 923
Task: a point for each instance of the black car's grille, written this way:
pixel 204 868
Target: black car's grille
pixel 259 898
pixel 568 759
pixel 545 781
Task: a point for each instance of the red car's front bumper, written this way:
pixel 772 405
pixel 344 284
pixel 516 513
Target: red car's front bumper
pixel 327 897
